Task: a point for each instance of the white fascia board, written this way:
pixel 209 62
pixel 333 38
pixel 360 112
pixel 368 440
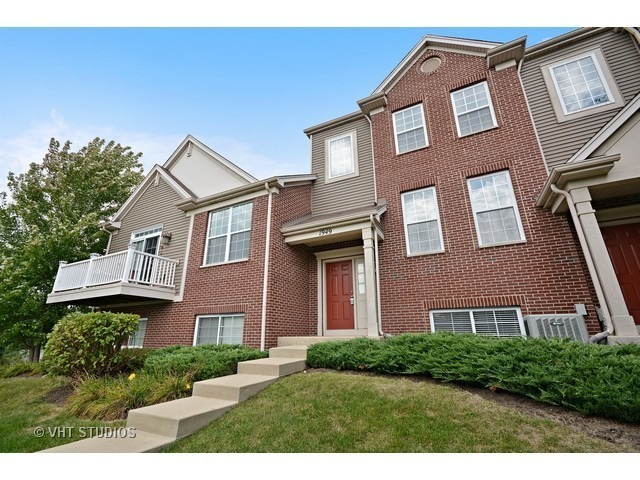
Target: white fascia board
pixel 212 153
pixel 609 129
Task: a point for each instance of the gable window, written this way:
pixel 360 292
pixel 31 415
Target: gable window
pixel 136 339
pixel 341 156
pixel 494 208
pixel 473 109
pixel 580 84
pixel 409 129
pixel 496 322
pixel 422 222
pixel 219 329
pixel 228 234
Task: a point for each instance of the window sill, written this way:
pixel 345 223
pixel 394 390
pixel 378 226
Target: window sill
pixel 478 132
pixel 207 265
pixel 517 242
pixel 422 254
pixel 398 154
pixel 339 178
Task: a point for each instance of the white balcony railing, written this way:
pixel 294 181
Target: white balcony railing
pixel 129 266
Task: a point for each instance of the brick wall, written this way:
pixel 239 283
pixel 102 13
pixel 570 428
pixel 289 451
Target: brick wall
pixel 544 275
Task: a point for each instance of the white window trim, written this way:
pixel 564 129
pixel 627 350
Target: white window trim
pixel 153 231
pixel 457 115
pixel 406 230
pixel 473 324
pixel 608 81
pixel 126 344
pixel 514 206
pixel 424 128
pixel 228 235
pixel 354 158
pixel 219 316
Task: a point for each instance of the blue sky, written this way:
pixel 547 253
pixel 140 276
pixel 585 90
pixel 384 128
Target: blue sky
pixel 248 93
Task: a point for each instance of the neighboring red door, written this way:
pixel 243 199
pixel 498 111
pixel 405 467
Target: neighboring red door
pixel 339 295
pixel 623 244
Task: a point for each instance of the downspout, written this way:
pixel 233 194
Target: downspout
pixel 633 32
pixel 377 272
pixel 591 267
pixel 265 281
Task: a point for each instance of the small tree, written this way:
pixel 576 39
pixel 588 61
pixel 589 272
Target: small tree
pixel 53 214
pixel 87 344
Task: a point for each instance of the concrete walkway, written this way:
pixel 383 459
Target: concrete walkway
pixel 157 426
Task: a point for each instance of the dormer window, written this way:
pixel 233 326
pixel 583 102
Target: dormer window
pixel 409 129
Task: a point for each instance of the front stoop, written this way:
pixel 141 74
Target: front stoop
pixel 157 426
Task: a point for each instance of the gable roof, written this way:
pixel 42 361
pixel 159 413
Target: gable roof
pixel 189 141
pixel 476 47
pixel 157 170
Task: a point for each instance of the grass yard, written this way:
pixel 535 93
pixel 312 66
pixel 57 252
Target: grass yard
pixel 333 412
pixel 23 408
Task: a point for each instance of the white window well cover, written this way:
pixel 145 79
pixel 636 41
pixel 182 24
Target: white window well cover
pixel 409 129
pixel 229 234
pixel 497 322
pixel 473 109
pixel 219 329
pixel 341 156
pixel 423 232
pixel 494 208
pixel 580 84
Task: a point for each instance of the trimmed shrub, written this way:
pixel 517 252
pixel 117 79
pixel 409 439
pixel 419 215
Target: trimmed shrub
pixel 593 379
pixel 201 362
pixel 87 344
pixel 130 360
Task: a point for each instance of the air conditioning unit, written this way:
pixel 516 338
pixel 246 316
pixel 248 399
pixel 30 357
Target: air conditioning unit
pixel 557 326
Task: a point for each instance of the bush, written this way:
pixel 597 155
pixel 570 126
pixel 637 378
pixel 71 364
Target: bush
pixel 87 344
pixel 201 362
pixel 130 360
pixel 593 379
pixel 20 368
pixel 111 398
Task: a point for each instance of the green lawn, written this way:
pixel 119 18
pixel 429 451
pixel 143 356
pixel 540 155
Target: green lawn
pixel 23 410
pixel 332 412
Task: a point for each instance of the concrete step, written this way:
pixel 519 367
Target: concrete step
pixel 274 367
pixel 235 388
pixel 289 341
pixel 294 351
pixel 178 418
pixel 141 443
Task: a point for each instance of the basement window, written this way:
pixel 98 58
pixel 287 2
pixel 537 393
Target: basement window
pixel 495 322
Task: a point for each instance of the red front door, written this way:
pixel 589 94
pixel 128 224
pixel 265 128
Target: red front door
pixel 623 244
pixel 340 295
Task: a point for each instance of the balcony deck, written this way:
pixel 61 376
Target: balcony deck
pixel 119 277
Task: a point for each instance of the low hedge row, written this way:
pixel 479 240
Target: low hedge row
pixel 593 379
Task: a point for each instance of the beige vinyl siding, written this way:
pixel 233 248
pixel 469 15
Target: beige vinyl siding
pixel 156 206
pixel 348 193
pixel 561 140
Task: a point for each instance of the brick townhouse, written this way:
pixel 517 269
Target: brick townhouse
pixel 419 214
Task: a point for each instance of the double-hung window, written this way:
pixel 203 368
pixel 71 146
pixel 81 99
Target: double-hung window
pixel 409 129
pixel 228 234
pixel 473 109
pixel 496 322
pixel 341 157
pixel 494 208
pixel 580 84
pixel 219 329
pixel 422 229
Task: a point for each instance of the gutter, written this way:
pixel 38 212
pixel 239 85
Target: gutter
pixel 591 267
pixel 265 281
pixel 377 272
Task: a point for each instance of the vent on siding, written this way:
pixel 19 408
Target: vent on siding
pixel 557 326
